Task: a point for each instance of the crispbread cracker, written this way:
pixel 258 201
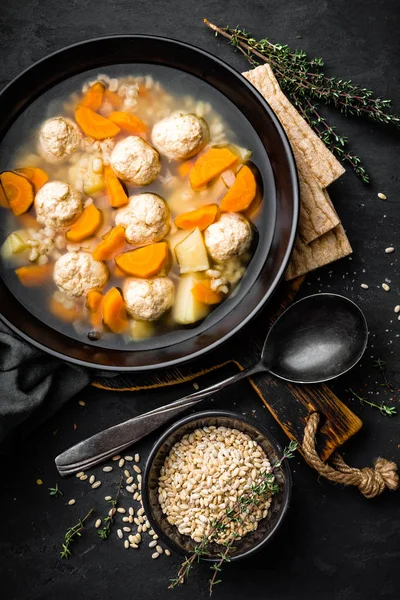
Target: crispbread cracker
pixel 321 239
pixel 304 141
pixel 326 249
pixel 317 214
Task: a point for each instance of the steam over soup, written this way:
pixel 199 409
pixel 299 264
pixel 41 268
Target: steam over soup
pixel 130 212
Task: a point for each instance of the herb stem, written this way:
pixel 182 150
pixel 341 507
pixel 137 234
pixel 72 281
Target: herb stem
pixel 387 411
pixel 104 533
pixel 381 366
pixel 305 85
pixel 71 534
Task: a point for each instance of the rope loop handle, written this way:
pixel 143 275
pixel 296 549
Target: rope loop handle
pixel 371 481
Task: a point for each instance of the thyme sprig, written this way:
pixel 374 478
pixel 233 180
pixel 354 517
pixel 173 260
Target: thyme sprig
pixel 71 534
pixel 305 84
pixel 55 491
pixel 266 487
pixel 387 411
pixel 104 533
pixel 381 366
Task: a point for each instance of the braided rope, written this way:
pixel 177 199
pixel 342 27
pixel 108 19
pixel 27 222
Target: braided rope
pixel 371 481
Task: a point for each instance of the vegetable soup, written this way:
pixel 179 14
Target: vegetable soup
pixel 131 208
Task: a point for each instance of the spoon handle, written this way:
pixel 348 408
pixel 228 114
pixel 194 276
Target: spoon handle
pixel 106 443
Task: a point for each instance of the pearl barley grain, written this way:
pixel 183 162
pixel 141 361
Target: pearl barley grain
pixel 364 286
pixel 220 464
pixel 381 196
pixel 389 250
pixel 397 308
pixel 385 287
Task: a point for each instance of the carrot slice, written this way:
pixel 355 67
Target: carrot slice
pixel 201 217
pixel 18 192
pixel 242 193
pixel 36 176
pixel 95 125
pixel 185 167
pixel 114 99
pixel 86 225
pixel 203 293
pixel 34 275
pixel 94 300
pixel 94 96
pixel 114 313
pixel 211 164
pixel 112 242
pixel 114 188
pixel 68 315
pixel 144 262
pixel 3 198
pixel 128 122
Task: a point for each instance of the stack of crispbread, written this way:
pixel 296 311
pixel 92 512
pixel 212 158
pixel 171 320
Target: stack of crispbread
pixel 321 238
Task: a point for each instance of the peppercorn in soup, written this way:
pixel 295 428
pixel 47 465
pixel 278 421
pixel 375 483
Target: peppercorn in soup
pixel 130 208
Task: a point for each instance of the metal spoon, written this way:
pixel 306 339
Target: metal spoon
pixel 316 339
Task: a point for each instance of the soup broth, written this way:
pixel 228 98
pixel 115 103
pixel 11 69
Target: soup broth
pixel 204 255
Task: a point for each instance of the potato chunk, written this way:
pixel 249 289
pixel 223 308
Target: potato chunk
pixel 187 309
pixel 191 254
pixel 14 244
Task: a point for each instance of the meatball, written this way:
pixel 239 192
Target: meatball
pixel 75 273
pixel 57 204
pixel 180 136
pixel 135 161
pixel 58 139
pixel 145 218
pixel 148 299
pixel 228 237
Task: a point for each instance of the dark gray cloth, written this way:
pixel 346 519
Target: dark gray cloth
pixel 33 385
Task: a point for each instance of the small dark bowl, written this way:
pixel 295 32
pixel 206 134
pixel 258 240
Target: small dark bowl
pixel 183 544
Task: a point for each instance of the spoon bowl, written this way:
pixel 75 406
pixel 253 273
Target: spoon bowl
pixel 316 339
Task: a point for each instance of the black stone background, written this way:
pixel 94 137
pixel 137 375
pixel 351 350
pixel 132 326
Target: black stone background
pixel 334 545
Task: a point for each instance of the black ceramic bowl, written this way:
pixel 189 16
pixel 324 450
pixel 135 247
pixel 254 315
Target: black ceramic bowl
pixel 20 103
pixel 184 544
